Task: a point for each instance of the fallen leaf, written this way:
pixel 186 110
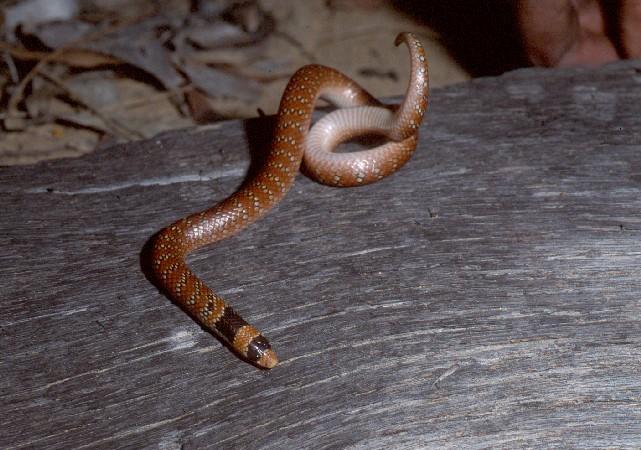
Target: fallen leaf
pixel 220 84
pixel 206 33
pixel 32 12
pixel 125 103
pixel 47 141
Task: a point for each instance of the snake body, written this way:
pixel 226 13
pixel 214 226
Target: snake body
pixel 360 113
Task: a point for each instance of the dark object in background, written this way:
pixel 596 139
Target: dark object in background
pixel 482 36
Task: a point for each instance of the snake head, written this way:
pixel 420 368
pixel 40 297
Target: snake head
pixel 260 352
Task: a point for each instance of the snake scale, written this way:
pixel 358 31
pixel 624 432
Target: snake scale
pixel 294 143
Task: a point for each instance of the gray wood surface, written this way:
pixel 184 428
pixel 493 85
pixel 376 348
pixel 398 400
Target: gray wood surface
pixel 487 295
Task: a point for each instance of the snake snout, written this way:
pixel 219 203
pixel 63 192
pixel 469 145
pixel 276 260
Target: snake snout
pixel 268 360
pixel 260 352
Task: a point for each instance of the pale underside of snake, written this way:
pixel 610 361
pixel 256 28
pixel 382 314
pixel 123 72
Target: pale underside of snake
pixel 293 143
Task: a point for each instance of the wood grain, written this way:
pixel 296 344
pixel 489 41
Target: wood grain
pixel 487 295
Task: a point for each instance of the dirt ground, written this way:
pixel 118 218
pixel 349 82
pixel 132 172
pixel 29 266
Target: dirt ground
pixel 354 36
pixel 357 38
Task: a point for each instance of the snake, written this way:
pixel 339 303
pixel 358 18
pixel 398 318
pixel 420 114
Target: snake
pixel 358 113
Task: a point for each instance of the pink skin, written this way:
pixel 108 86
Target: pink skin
pixel 575 32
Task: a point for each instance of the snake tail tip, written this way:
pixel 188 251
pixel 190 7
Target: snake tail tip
pixel 402 37
pixel 268 360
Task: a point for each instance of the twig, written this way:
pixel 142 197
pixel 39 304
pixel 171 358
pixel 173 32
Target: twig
pixel 30 55
pixel 11 65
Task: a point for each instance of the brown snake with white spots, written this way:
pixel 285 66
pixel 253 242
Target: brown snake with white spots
pixel 293 142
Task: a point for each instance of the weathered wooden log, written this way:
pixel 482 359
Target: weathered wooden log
pixel 488 294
